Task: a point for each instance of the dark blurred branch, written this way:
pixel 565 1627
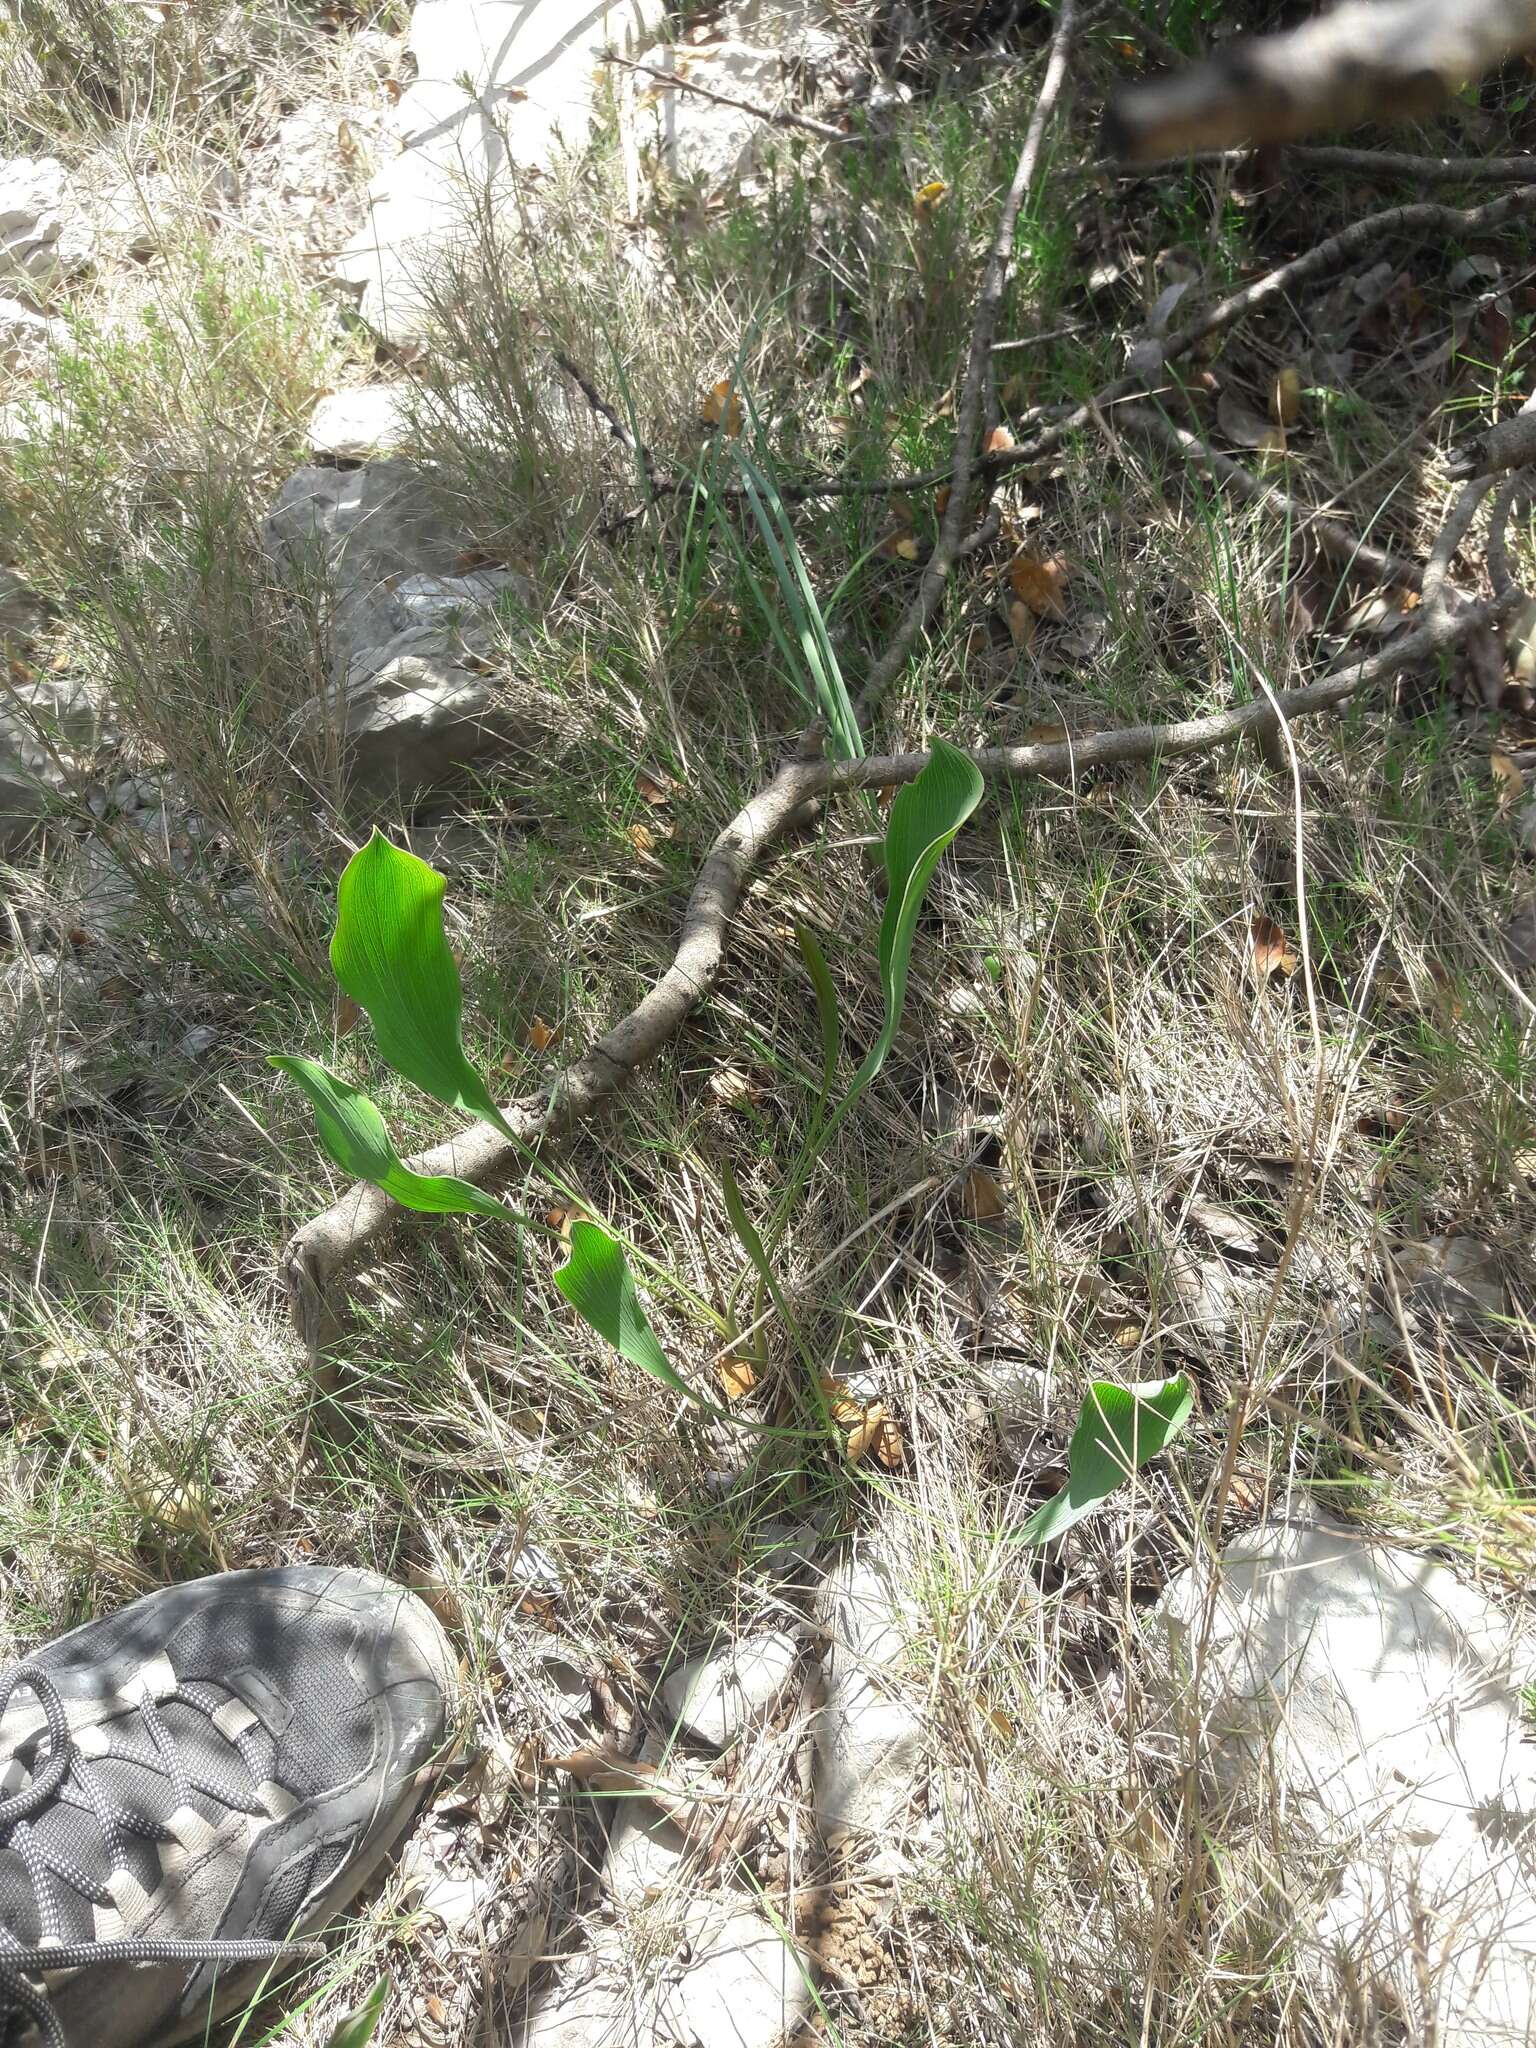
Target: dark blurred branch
pixel 1369 60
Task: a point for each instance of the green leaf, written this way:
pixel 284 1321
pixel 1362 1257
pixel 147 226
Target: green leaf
pixel 826 1006
pixel 1118 1430
pixel 354 1135
pixel 390 955
pixel 597 1282
pixel 925 817
pixel 747 1237
pixel 359 2026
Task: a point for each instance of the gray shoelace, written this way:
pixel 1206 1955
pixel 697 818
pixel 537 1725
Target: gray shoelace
pixel 19 1964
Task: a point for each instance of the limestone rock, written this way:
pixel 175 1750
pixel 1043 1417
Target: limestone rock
pixel 716 1696
pixel 408 691
pixel 868 1735
pixel 726 1979
pixel 26 336
pixel 534 87
pixel 1385 1696
pixel 42 233
pixel 365 420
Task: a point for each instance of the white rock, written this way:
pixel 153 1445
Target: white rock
pixel 411 705
pixel 433 1882
pixel 1383 1694
pixel 716 1696
pixel 42 233
pixel 742 1985
pixel 533 78
pixel 27 336
pixel 351 425
pixel 868 1736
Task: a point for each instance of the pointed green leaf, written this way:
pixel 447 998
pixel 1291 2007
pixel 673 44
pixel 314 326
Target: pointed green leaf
pixel 358 2028
pixel 598 1284
pixel 925 817
pixel 354 1136
pixel 1118 1430
pixel 390 955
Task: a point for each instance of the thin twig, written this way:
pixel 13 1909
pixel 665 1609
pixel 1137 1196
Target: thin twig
pixel 321 1251
pixel 777 117
pixel 973 393
pixel 606 413
pixel 1332 536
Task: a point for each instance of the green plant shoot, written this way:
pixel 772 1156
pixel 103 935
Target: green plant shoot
pixel 1118 1430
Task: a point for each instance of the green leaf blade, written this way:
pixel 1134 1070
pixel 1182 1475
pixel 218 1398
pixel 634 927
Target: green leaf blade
pixel 355 1138
pixel 1118 1430
pixel 360 2025
pixel 389 952
pixel 598 1284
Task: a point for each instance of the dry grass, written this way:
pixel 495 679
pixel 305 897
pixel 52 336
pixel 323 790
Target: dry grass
pixel 1196 1172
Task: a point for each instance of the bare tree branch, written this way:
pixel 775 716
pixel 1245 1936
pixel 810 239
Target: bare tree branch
pixel 776 117
pixel 321 1251
pixel 973 393
pixel 1368 60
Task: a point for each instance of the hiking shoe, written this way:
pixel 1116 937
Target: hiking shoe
pixel 190 1787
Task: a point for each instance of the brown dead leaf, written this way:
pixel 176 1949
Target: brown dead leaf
pixel 1046 735
pixel 998 441
pixel 1040 581
pixel 890 1447
pixel 733 1088
pixel 1285 397
pixel 561 1219
pixel 604 1770
pixel 1445 999
pixel 722 408
pixel 737 1377
pixel 866 1433
pixel 642 839
pixel 348 1016
pixel 981 1199
pixel 1508 779
pixel 1021 623
pixel 655 789
pixel 1244 429
pixel 541 1036
pixel 927 200
pixel 1271 950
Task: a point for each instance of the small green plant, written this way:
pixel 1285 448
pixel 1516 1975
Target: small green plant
pixel 1118 1430
pixel 391 955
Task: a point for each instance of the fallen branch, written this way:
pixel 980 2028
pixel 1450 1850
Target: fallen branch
pixel 1369 60
pixel 321 1251
pixel 776 117
pixel 973 392
pixel 1335 539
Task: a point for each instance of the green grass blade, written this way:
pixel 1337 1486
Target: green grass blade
pixel 390 954
pixel 826 1008
pixel 598 1284
pixel 1118 1430
pixel 354 1136
pixel 358 2028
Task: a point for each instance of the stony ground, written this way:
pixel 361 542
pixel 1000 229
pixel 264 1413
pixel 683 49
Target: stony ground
pixel 376 385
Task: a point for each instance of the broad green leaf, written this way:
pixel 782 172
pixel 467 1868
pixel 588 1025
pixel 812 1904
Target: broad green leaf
pixel 597 1282
pixel 390 955
pixel 1118 1430
pixel 354 1135
pixel 826 1006
pixel 925 817
pixel 360 2026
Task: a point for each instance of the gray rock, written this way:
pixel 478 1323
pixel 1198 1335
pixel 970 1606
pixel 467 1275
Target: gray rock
pixel 48 733
pixel 533 88
pixel 406 624
pixel 717 1696
pixel 1383 1695
pixel 27 336
pixel 1458 1276
pixel 43 235
pixel 868 1736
